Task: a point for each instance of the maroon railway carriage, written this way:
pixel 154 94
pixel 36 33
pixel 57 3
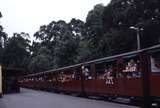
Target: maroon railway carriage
pixel 135 74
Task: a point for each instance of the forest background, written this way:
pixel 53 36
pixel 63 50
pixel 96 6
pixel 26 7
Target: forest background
pixel 107 31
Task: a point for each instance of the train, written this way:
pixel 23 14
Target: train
pixel 134 75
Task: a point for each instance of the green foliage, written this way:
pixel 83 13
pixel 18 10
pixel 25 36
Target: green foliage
pixel 3 38
pixel 41 61
pixel 94 31
pixel 106 32
pixel 120 15
pixel 16 51
pixel 62 39
pixel 84 53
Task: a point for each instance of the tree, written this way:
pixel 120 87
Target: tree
pixel 41 61
pixel 84 53
pixel 3 38
pixel 62 39
pixel 16 51
pixel 94 30
pixel 106 32
pixel 120 15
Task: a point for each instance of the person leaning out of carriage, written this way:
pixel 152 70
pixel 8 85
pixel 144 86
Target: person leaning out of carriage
pixel 109 75
pixel 85 71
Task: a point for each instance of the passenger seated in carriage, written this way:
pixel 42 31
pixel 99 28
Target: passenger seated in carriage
pixel 109 75
pixel 132 69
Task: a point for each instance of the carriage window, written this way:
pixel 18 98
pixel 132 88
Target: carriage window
pixel 76 75
pixel 100 69
pixel 41 78
pixel 54 77
pixel 45 77
pixel 155 63
pixel 60 76
pixel 106 71
pixel 132 68
pixel 66 76
pixel 69 75
pixel 35 78
pixel 86 72
pixel 50 77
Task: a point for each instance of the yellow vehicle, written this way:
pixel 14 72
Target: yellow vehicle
pixel 0 81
